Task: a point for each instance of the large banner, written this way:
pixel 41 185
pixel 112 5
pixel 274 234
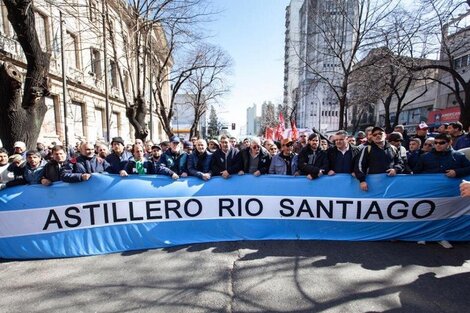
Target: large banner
pixel 111 214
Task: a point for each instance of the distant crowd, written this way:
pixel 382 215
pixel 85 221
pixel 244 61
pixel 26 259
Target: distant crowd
pixel 369 152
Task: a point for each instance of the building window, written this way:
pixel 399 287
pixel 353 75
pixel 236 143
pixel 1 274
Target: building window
pixel 72 50
pixel 92 10
pixel 78 123
pixel 114 126
pixel 113 75
pixel 49 124
pixel 100 122
pixel 42 29
pixel 95 62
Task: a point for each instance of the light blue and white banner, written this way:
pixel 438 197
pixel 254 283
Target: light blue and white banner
pixel 111 214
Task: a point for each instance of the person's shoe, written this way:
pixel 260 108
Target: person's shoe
pixel 445 244
pixel 421 242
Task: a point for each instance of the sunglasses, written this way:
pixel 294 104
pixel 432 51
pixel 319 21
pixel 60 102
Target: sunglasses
pixel 440 142
pixel 377 134
pixel 303 136
pixel 273 149
pixel 255 147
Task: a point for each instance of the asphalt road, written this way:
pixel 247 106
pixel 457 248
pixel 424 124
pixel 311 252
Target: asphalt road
pixel 267 276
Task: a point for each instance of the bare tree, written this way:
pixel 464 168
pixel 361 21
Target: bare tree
pixel 448 36
pixel 208 82
pixel 22 112
pixel 340 30
pixel 148 57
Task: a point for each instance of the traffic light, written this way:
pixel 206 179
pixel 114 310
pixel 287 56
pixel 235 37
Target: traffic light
pixel 233 126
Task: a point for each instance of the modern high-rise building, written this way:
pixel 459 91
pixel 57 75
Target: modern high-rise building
pixel 317 32
pixel 251 121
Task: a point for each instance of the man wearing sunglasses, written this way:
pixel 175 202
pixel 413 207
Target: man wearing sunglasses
pixel 255 159
pixel 443 159
pixel 377 157
pixel 285 162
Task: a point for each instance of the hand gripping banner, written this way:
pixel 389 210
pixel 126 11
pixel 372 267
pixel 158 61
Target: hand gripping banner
pixel 111 214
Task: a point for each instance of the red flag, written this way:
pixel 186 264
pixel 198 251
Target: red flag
pixel 295 132
pixel 280 128
pixel 269 133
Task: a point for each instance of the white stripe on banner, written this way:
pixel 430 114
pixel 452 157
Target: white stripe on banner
pixel 106 213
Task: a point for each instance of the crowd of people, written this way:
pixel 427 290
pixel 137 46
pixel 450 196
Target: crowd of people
pixel 369 152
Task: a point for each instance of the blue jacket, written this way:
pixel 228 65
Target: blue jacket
pixel 178 163
pixel 279 166
pixel 118 163
pixel 199 164
pixel 24 174
pixel 463 142
pixel 440 162
pixel 72 171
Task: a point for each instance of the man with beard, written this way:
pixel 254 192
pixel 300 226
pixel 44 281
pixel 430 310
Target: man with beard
pixel 29 172
pixel 313 161
pixel 81 168
pixel 119 157
pixel 224 160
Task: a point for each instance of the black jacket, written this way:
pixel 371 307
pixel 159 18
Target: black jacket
pixel 73 169
pixel 220 163
pixel 311 162
pixel 374 160
pixel 263 163
pixel 336 159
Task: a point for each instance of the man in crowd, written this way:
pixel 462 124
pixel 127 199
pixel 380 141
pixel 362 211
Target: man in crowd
pixel 465 188
pixel 102 151
pixel 175 158
pixel 463 142
pixel 213 145
pixel 442 129
pixel 360 138
pixel 255 159
pixel 29 172
pixel 428 145
pixel 81 168
pixel 422 132
pixel 406 139
pixel 342 156
pixel 233 142
pixel 285 162
pixel 53 168
pixel 158 163
pixel 188 147
pixel 396 140
pixel 5 174
pixel 301 142
pixel 377 157
pixel 19 147
pixel 224 160
pixel 199 162
pixel 118 157
pixel 443 159
pixel 455 129
pixel 268 143
pixel 412 155
pixel 313 161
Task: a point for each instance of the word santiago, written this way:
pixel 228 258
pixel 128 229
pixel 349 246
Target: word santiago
pixel 171 209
